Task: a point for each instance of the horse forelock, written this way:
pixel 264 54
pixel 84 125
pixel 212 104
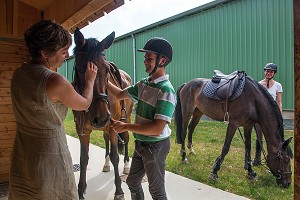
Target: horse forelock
pixel 90 48
pixel 274 107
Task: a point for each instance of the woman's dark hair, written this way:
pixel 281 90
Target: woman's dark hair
pixel 48 36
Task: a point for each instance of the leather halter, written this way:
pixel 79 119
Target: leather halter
pixel 79 116
pixel 281 171
pixel 101 96
pixel 278 175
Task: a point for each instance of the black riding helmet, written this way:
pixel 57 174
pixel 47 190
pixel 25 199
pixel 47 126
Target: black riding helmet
pixel 271 66
pixel 161 47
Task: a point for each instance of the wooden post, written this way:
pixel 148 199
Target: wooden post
pixel 297 98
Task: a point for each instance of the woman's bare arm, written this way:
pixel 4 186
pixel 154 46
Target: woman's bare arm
pixel 60 89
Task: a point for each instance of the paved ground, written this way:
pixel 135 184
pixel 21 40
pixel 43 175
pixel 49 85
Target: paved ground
pixel 101 185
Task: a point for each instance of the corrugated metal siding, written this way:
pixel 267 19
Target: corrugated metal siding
pixel 67 69
pixel 121 54
pixel 229 36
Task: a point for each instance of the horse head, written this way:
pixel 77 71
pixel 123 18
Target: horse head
pixel 280 164
pixel 91 50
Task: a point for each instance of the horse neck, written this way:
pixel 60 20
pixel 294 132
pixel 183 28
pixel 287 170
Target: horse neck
pixel 271 134
pixel 271 127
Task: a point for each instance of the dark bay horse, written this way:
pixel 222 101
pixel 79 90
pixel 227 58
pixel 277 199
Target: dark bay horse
pixel 254 105
pixel 102 109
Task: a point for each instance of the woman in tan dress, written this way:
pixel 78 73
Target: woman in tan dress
pixel 41 164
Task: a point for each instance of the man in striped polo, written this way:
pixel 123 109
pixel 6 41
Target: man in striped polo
pixel 156 99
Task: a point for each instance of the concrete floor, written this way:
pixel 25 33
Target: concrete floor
pixel 101 185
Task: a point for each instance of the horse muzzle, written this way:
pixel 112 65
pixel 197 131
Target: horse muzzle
pixel 99 122
pixel 283 182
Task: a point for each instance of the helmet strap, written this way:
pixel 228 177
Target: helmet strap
pixel 156 64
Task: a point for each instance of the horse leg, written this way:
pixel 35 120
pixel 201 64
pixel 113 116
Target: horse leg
pixel 192 125
pixel 126 155
pixel 258 145
pixel 114 158
pixel 84 159
pixel 184 130
pixel 106 167
pixel 248 163
pixel 217 165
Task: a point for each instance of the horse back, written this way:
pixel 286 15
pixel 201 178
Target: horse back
pixel 192 96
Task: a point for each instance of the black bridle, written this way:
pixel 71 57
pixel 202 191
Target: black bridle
pixel 278 175
pixel 78 85
pixel 281 171
pixel 101 96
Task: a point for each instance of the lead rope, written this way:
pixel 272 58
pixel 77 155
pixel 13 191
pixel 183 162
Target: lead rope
pixel 249 157
pixel 261 145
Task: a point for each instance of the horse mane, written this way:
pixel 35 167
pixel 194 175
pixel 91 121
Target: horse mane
pixel 273 104
pixel 277 113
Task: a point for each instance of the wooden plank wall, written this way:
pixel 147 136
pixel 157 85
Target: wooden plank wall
pixel 15 18
pixel 12 54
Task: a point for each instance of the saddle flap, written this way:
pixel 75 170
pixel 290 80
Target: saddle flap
pixel 227 87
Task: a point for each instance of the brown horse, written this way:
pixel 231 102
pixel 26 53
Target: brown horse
pixel 254 105
pixel 103 107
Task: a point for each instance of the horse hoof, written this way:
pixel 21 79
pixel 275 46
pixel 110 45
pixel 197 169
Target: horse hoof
pixel 126 170
pixel 213 177
pixel 106 169
pixel 251 175
pixel 192 152
pixel 119 197
pixel 256 162
pixel 185 161
pixel 81 197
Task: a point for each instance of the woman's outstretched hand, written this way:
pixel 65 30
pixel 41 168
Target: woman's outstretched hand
pixel 91 72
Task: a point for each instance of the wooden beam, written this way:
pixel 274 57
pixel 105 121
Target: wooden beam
pixel 297 99
pixel 70 13
pixel 15 18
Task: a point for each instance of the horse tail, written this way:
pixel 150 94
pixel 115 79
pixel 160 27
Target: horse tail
pixel 178 117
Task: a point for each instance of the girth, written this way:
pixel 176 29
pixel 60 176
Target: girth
pixel 225 88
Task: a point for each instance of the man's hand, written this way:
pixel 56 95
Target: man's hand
pixel 118 126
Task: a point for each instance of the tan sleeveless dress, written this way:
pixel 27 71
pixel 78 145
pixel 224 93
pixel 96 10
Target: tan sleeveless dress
pixel 41 164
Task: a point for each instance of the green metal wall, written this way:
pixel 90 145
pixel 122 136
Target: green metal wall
pixel 67 69
pixel 227 35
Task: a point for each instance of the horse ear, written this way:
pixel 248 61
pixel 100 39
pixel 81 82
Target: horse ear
pixel 285 146
pixel 78 38
pixel 107 42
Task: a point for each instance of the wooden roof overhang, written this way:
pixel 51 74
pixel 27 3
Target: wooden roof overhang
pixel 18 15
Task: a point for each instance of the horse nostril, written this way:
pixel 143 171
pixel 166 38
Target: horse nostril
pixel 96 120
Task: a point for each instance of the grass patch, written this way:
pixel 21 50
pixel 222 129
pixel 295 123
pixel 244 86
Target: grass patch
pixel 208 141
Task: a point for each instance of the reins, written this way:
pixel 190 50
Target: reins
pixel 280 172
pixel 262 149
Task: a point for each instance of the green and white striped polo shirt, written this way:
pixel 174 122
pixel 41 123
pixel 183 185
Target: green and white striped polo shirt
pixel 155 100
